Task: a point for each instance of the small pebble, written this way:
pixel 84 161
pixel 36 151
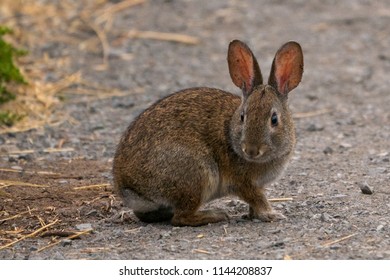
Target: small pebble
pixel 314 127
pixel 239 220
pixel 165 235
pixel 340 195
pixel 33 248
pixel 277 244
pixel 380 227
pixel 345 145
pixel 328 151
pixel 123 103
pixel 84 227
pixel 26 157
pixel 93 212
pixel 325 217
pixel 92 110
pixel 280 206
pixel 364 187
pixel 15 167
pixel 12 159
pixel 98 127
pixel 66 242
pixel 316 216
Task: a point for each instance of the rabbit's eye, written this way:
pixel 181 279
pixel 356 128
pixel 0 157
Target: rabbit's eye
pixel 242 116
pixel 274 119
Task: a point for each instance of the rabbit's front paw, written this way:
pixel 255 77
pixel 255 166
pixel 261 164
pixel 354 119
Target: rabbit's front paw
pixel 269 216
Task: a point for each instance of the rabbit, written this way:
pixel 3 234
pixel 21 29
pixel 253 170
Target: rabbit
pixel 200 144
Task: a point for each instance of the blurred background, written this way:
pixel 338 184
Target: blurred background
pixel 93 65
pixel 151 48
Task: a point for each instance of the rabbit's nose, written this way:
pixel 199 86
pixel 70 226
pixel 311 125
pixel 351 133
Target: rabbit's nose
pixel 251 150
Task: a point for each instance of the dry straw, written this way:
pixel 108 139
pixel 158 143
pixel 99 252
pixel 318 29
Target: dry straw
pixel 74 236
pixel 33 234
pixel 39 100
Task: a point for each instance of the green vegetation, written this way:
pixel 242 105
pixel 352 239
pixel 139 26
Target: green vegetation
pixel 8 118
pixel 9 73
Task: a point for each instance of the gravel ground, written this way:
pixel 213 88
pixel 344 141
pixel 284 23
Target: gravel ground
pixel 341 110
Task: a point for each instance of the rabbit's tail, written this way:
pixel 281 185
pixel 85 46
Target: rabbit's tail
pixel 162 213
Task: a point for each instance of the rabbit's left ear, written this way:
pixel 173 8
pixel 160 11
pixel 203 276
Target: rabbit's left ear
pixel 287 68
pixel 243 67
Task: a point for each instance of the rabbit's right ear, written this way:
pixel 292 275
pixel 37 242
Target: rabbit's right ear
pixel 243 67
pixel 287 68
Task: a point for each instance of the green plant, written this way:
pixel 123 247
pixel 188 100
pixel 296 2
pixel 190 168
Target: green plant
pixel 8 118
pixel 9 73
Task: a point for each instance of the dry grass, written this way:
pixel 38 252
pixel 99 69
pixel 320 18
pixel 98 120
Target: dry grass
pixel 73 236
pixel 18 215
pixel 8 183
pixel 92 187
pixel 44 227
pixel 82 24
pixel 85 25
pixel 37 100
pixel 327 244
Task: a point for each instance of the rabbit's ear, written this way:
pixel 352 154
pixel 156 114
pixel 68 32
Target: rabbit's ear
pixel 243 67
pixel 287 68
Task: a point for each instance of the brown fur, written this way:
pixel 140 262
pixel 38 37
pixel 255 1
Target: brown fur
pixel 192 147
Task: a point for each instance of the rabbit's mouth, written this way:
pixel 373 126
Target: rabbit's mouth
pixel 256 154
pixel 264 155
pixel 257 159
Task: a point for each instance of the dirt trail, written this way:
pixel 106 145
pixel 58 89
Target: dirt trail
pixel 62 171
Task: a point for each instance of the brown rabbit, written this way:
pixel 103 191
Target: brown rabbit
pixel 200 144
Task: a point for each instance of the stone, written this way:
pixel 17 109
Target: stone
pixel 365 188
